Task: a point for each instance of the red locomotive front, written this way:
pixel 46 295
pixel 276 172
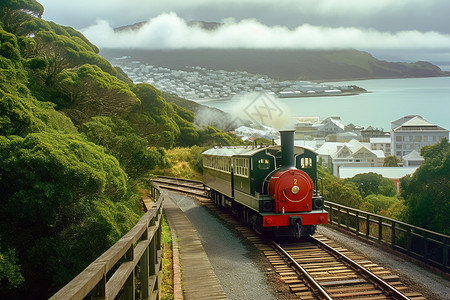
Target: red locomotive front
pixel 292 191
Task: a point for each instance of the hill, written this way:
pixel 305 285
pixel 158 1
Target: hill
pixel 78 145
pixel 314 65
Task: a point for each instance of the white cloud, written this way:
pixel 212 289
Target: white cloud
pixel 168 31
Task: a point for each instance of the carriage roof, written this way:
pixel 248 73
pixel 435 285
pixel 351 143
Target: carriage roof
pixel 251 150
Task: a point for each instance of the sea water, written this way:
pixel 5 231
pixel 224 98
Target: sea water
pixel 387 100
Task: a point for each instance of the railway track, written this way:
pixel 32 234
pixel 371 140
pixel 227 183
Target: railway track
pixel 332 272
pixel 193 187
pixel 313 268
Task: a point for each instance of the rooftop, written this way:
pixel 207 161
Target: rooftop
pixel 388 172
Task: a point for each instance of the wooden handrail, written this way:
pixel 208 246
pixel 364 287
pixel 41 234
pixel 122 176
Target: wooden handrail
pixel 409 239
pixel 115 270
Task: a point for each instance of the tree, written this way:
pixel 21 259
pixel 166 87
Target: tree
pixel 119 139
pixel 29 5
pixel 63 201
pixel 345 194
pixel 92 92
pixel 211 136
pixel 391 161
pixel 372 183
pixel 380 203
pixel 10 275
pixel 427 191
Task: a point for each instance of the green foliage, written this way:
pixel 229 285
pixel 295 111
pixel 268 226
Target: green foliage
pixel 91 92
pixel 380 203
pixel 188 134
pixel 372 183
pixel 10 276
pixel 426 191
pixel 12 20
pixel 391 161
pixel 62 51
pixel 343 193
pixel 20 116
pixel 119 139
pixel 184 113
pixel 45 171
pixel 30 5
pixel 211 136
pixel 155 118
pixel 94 226
pixel 63 202
pixel 397 211
pixel 8 45
pixel 196 160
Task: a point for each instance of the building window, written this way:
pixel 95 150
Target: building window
pixel 425 138
pixel 399 139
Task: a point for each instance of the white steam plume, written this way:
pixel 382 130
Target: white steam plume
pixel 262 109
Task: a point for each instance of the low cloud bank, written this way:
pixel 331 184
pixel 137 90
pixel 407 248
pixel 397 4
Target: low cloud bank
pixel 168 31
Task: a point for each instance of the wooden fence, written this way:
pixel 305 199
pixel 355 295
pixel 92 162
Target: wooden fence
pixel 425 245
pixel 130 269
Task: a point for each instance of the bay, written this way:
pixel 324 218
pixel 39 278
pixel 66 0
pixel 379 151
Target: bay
pixel 387 101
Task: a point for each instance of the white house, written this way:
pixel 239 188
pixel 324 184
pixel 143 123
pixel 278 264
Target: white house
pixel 351 154
pixel 331 125
pixel 412 159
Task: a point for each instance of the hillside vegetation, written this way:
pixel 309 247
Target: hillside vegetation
pixel 78 143
pixel 314 65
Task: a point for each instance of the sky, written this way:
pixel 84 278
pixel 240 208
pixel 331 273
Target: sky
pixel 412 29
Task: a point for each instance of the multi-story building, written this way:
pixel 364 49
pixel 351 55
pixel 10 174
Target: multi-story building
pixel 412 133
pixel 381 143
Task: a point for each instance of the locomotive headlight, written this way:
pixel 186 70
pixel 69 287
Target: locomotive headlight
pixel 295 189
pixel 318 203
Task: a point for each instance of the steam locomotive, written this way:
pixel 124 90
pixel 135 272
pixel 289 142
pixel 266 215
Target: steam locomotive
pixel 274 189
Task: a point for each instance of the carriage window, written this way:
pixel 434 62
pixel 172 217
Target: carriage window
pixel 241 166
pixel 306 162
pixel 263 164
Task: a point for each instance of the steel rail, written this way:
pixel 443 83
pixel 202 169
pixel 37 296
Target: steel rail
pixel 315 286
pixel 364 272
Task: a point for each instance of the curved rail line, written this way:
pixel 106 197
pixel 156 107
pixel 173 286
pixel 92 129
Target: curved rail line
pixel 318 269
pixel 193 187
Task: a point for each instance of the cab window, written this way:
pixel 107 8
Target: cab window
pixel 263 164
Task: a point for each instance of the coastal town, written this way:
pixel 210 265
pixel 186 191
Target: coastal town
pixel 197 83
pixel 345 149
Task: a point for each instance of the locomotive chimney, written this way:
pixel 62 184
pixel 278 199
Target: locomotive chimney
pixel 287 149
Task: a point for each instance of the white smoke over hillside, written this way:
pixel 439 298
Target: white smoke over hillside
pixel 168 31
pixel 264 110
